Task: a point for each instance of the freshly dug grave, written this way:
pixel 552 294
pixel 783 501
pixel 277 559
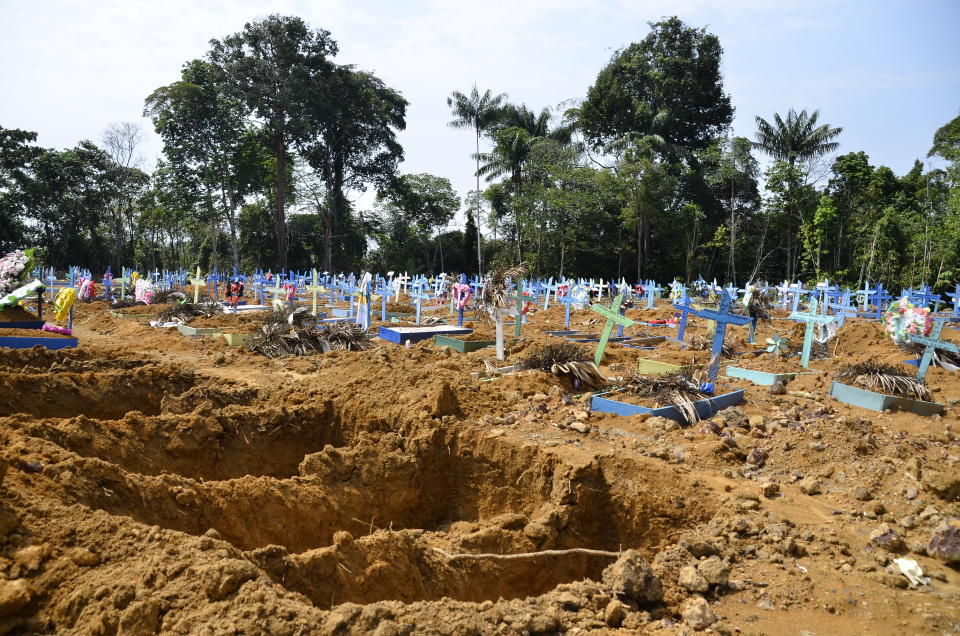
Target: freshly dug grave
pixel 156 484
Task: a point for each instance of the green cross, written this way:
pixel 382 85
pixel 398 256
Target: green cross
pixel 811 318
pixel 315 289
pixel 931 342
pixel 198 282
pixel 613 318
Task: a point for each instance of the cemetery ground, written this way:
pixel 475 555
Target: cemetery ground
pixel 156 483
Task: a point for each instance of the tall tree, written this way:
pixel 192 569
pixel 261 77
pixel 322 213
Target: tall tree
pixel 352 143
pixel 794 141
pixel 477 112
pixel 272 65
pixel 667 84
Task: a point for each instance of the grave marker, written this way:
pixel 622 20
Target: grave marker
pixel 931 343
pixel 613 317
pixel 721 317
pixel 197 282
pixel 811 317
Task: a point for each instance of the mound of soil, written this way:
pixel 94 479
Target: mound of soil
pixel 161 484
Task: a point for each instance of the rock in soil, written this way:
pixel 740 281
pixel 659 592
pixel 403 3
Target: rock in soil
pixel 631 577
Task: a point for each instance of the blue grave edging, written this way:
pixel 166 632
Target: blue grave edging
pixel 24 342
pixel 705 408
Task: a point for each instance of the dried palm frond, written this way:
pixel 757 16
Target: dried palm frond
pixel 544 357
pixel 884 378
pixel 565 359
pixel 184 312
pixel 679 390
pixel 166 296
pixel 760 306
pixel 939 356
pixel 495 296
pixel 298 333
pixel 818 351
pixel 344 336
pixel 580 373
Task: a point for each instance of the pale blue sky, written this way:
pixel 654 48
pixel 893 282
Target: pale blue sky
pixel 887 72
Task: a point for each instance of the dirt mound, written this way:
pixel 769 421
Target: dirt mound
pixel 161 484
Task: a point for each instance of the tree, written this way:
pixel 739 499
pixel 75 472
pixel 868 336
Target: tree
pixel 409 212
pixel 17 154
pixel 668 84
pixel 794 141
pixel 353 122
pixel 478 112
pixel 272 65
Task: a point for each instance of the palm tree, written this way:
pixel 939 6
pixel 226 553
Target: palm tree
pixel 478 112
pixel 795 140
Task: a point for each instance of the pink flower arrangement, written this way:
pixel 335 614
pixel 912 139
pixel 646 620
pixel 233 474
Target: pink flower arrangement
pixel 56 329
pixel 902 318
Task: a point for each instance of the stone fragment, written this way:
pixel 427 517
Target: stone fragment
pixel 887 538
pixel 715 570
pixel 692 580
pixel 697 614
pixel 631 576
pixel 945 542
pixel 614 613
pixel 945 485
pixel 770 489
pixel 810 486
pixel 861 494
pixel 14 596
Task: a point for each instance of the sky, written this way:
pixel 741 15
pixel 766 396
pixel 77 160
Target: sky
pixel 887 72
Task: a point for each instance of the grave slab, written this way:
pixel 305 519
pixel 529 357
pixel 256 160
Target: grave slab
pixel 399 335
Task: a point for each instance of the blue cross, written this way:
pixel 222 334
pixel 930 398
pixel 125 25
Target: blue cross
pixel 722 317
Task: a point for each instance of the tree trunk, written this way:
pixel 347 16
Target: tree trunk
pixel 280 148
pixel 479 216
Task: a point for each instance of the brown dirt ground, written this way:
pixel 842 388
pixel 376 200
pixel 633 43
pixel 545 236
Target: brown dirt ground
pixel 161 484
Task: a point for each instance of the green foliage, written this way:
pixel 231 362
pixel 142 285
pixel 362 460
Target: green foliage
pixel 668 84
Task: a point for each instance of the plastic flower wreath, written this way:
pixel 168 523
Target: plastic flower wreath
pixel 15 269
pixel 903 317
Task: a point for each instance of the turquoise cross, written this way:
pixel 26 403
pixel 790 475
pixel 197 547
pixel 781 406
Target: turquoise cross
pixel 811 318
pixel 931 342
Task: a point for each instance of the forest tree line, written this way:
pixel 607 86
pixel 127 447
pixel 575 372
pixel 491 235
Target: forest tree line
pixel 266 138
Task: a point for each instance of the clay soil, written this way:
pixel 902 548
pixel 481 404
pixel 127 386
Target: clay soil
pixel 153 483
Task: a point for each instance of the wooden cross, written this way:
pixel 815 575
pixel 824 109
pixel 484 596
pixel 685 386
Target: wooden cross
pixel 842 308
pixel 418 296
pixel 924 297
pixel 197 282
pixel 931 343
pixel 315 289
pixel 568 300
pixel 811 317
pixel 956 302
pixel 650 289
pixel 277 291
pixel 401 282
pixel 722 317
pixel 123 280
pixel 613 318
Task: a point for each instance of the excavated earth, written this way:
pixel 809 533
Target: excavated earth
pixel 153 483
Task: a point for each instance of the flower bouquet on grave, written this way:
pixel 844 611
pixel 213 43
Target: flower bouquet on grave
pixel 16 269
pixel 903 317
